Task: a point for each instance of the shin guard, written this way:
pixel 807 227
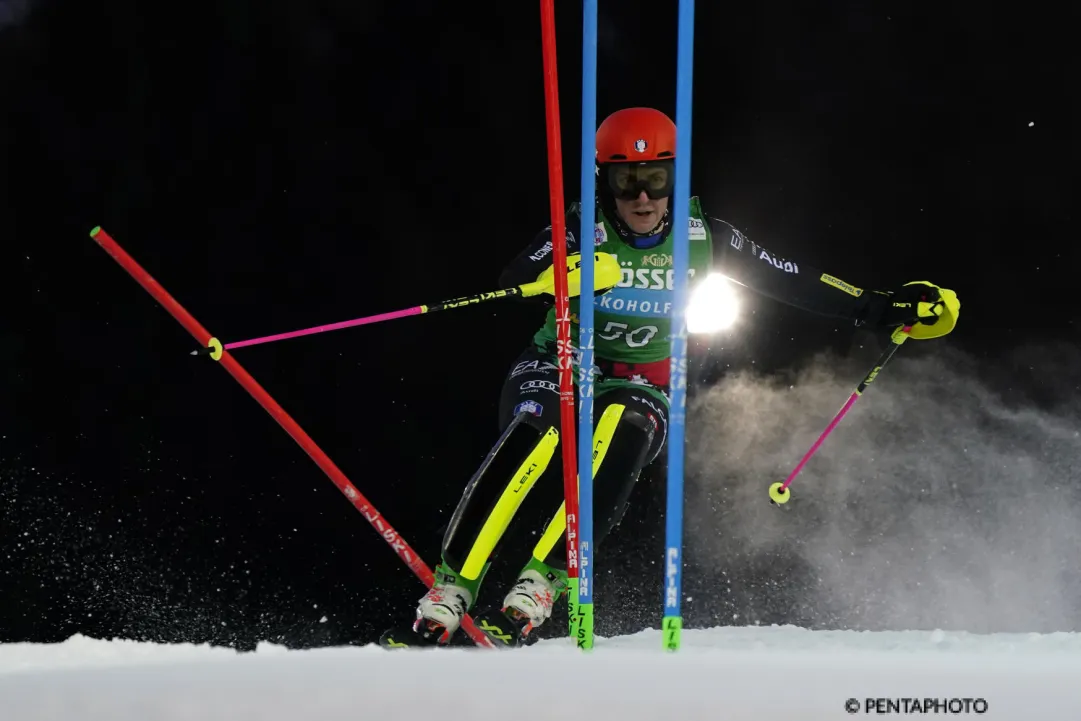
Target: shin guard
pixel 494 495
pixel 621 443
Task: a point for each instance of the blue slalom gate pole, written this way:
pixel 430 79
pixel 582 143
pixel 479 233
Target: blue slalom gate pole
pixel 672 621
pixel 585 328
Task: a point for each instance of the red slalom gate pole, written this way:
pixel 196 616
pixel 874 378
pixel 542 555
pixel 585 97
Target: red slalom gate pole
pixel 202 336
pixel 567 412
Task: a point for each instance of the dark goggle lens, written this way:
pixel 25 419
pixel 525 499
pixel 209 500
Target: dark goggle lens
pixel 628 180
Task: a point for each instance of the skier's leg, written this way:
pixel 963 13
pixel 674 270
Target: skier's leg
pixel 629 434
pixel 630 430
pixel 530 417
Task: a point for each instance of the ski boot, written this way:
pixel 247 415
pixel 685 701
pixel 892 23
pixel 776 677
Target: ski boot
pixel 526 607
pixel 439 615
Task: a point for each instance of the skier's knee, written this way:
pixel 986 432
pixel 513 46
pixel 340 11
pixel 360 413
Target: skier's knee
pixel 644 412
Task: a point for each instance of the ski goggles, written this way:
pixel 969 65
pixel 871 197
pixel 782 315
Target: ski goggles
pixel 628 180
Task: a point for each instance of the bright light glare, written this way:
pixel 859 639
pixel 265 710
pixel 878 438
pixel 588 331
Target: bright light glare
pixel 714 305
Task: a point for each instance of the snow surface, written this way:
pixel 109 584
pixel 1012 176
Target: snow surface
pixel 760 673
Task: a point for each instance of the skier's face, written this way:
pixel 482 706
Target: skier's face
pixel 642 214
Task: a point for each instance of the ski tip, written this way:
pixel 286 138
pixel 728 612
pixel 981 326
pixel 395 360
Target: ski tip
pixel 94 231
pixel 405 637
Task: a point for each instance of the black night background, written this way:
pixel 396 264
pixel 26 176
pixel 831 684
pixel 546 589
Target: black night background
pixel 281 165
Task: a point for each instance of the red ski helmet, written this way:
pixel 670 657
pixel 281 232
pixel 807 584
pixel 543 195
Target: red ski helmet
pixel 636 135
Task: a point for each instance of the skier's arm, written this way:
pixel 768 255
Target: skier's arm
pixel 791 282
pixel 535 258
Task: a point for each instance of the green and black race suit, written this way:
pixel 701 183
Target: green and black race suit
pixel 631 322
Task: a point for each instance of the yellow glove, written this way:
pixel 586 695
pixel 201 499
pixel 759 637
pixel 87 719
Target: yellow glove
pixel 606 274
pixel 931 311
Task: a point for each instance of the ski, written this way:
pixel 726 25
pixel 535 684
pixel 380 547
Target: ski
pixel 414 636
pixel 502 630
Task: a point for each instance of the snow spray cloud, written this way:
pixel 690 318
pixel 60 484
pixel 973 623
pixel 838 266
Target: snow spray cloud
pixel 949 496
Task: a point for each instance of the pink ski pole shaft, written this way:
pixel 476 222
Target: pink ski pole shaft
pixel 418 310
pixel 778 492
pixel 379 317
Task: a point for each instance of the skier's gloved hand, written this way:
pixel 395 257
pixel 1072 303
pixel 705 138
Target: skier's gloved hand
pixel 931 311
pixel 912 303
pixel 606 274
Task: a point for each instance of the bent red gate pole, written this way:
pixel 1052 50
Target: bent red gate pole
pixel 202 336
